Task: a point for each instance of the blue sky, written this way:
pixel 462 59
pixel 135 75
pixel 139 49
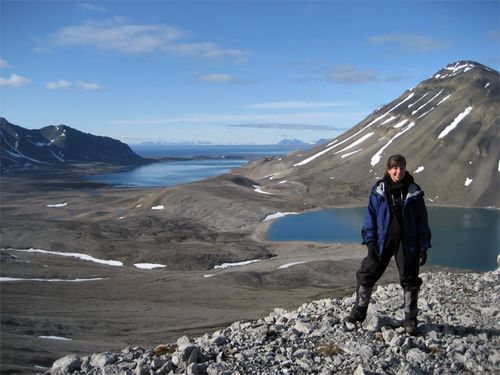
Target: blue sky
pixel 227 71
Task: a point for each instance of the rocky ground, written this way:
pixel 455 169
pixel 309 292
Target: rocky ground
pixel 459 332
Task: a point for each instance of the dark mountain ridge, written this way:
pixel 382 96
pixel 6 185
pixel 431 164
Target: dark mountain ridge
pixel 56 146
pixel 447 127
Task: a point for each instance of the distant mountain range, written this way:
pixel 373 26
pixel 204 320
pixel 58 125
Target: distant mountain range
pixel 55 146
pixel 60 145
pixel 447 126
pixel 283 142
pixel 298 142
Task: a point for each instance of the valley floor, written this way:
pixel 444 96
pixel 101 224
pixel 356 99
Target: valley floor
pixel 53 305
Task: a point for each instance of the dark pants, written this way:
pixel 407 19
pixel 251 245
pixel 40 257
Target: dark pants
pixel 372 267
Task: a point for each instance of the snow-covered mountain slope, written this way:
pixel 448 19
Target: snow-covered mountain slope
pixel 58 145
pixel 447 127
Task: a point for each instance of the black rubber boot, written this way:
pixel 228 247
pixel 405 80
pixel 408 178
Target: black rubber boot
pixel 411 303
pixel 358 312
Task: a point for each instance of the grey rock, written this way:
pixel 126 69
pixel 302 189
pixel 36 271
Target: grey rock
pixel 417 356
pixel 142 370
pixel 66 365
pixel 114 370
pixel 126 364
pixel 359 370
pixel 358 349
pixel 158 362
pixel 409 369
pixel 216 369
pixel 303 327
pixel 102 359
pixel 166 368
pixel 194 356
pixel 219 340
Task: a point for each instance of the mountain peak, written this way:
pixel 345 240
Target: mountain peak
pixel 446 126
pixel 291 141
pixel 460 67
pixel 58 145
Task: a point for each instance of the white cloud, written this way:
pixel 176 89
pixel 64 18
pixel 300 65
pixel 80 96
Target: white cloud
pixel 61 84
pixel 121 35
pixel 312 118
pixel 92 7
pixel 217 78
pixel 347 73
pixel 289 126
pixel 297 105
pixel 4 64
pixel 89 86
pixel 13 81
pixel 416 43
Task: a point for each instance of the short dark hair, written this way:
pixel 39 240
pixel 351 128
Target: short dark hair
pixel 395 161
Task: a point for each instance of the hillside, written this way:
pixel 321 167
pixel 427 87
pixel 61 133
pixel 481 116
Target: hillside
pixel 447 126
pixel 458 333
pixel 55 146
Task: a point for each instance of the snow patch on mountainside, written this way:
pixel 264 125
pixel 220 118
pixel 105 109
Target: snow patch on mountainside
pixel 455 122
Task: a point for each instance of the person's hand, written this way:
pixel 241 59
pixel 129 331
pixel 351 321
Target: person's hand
pixel 423 257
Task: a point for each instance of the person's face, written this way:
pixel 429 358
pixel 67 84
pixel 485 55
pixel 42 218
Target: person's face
pixel 397 173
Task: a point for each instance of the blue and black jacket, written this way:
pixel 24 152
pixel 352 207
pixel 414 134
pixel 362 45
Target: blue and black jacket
pixel 416 232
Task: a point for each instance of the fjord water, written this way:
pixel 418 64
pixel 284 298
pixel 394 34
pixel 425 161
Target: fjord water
pixel 467 238
pixel 169 173
pixel 201 162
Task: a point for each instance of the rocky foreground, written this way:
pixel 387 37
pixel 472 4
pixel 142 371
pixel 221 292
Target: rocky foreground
pixel 458 333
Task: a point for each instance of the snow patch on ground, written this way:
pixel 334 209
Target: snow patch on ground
pixel 57 205
pixel 468 181
pixel 357 142
pixel 73 255
pixel 400 124
pixel 415 102
pixel 290 265
pixel 443 100
pixel 16 279
pixel 419 169
pixel 351 153
pixel 237 264
pixel 160 207
pixel 376 158
pixel 388 120
pixel 455 122
pixel 430 100
pixel 277 215
pixel 149 266
pixel 55 338
pixel 257 189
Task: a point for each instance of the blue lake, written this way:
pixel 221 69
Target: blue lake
pixel 168 173
pixel 189 151
pixel 207 161
pixel 465 238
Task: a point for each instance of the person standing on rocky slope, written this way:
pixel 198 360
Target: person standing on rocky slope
pixel 396 225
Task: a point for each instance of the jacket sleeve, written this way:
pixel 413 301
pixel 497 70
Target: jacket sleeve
pixel 424 232
pixel 369 231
